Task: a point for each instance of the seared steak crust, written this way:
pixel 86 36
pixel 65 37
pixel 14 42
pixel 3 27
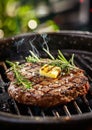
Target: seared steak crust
pixel 47 92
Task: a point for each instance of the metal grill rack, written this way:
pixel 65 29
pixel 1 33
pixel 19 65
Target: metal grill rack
pixel 77 107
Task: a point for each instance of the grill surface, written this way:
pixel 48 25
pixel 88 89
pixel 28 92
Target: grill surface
pixel 79 106
pixel 71 114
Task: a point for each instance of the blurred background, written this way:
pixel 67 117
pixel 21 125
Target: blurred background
pixel 21 16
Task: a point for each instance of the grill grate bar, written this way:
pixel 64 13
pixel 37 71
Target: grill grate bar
pixel 87 58
pixel 30 112
pixel 3 88
pixel 42 113
pixel 66 111
pixel 84 64
pixel 2 84
pixel 16 107
pixel 81 62
pixel 87 103
pixel 77 108
pixel 55 113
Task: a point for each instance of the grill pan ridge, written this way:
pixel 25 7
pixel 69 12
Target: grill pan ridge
pixel 75 114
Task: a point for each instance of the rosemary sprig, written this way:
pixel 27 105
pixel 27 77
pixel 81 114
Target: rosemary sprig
pixel 50 55
pixel 62 62
pixel 32 58
pixel 21 80
pixel 66 65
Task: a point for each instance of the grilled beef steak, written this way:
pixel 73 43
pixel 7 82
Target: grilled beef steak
pixel 47 91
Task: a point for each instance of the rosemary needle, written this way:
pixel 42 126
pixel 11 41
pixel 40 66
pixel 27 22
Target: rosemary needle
pixel 20 79
pixel 61 61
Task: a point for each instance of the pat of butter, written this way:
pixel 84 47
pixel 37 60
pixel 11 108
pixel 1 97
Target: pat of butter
pixel 50 71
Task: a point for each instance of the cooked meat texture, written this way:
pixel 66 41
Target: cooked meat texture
pixel 47 92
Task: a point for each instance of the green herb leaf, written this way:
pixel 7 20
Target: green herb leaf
pixel 47 51
pixel 21 80
pixel 62 62
pixel 32 58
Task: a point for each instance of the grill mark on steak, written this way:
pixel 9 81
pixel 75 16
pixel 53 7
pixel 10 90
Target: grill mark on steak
pixel 46 92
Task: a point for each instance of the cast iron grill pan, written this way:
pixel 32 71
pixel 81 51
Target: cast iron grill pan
pixel 68 115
